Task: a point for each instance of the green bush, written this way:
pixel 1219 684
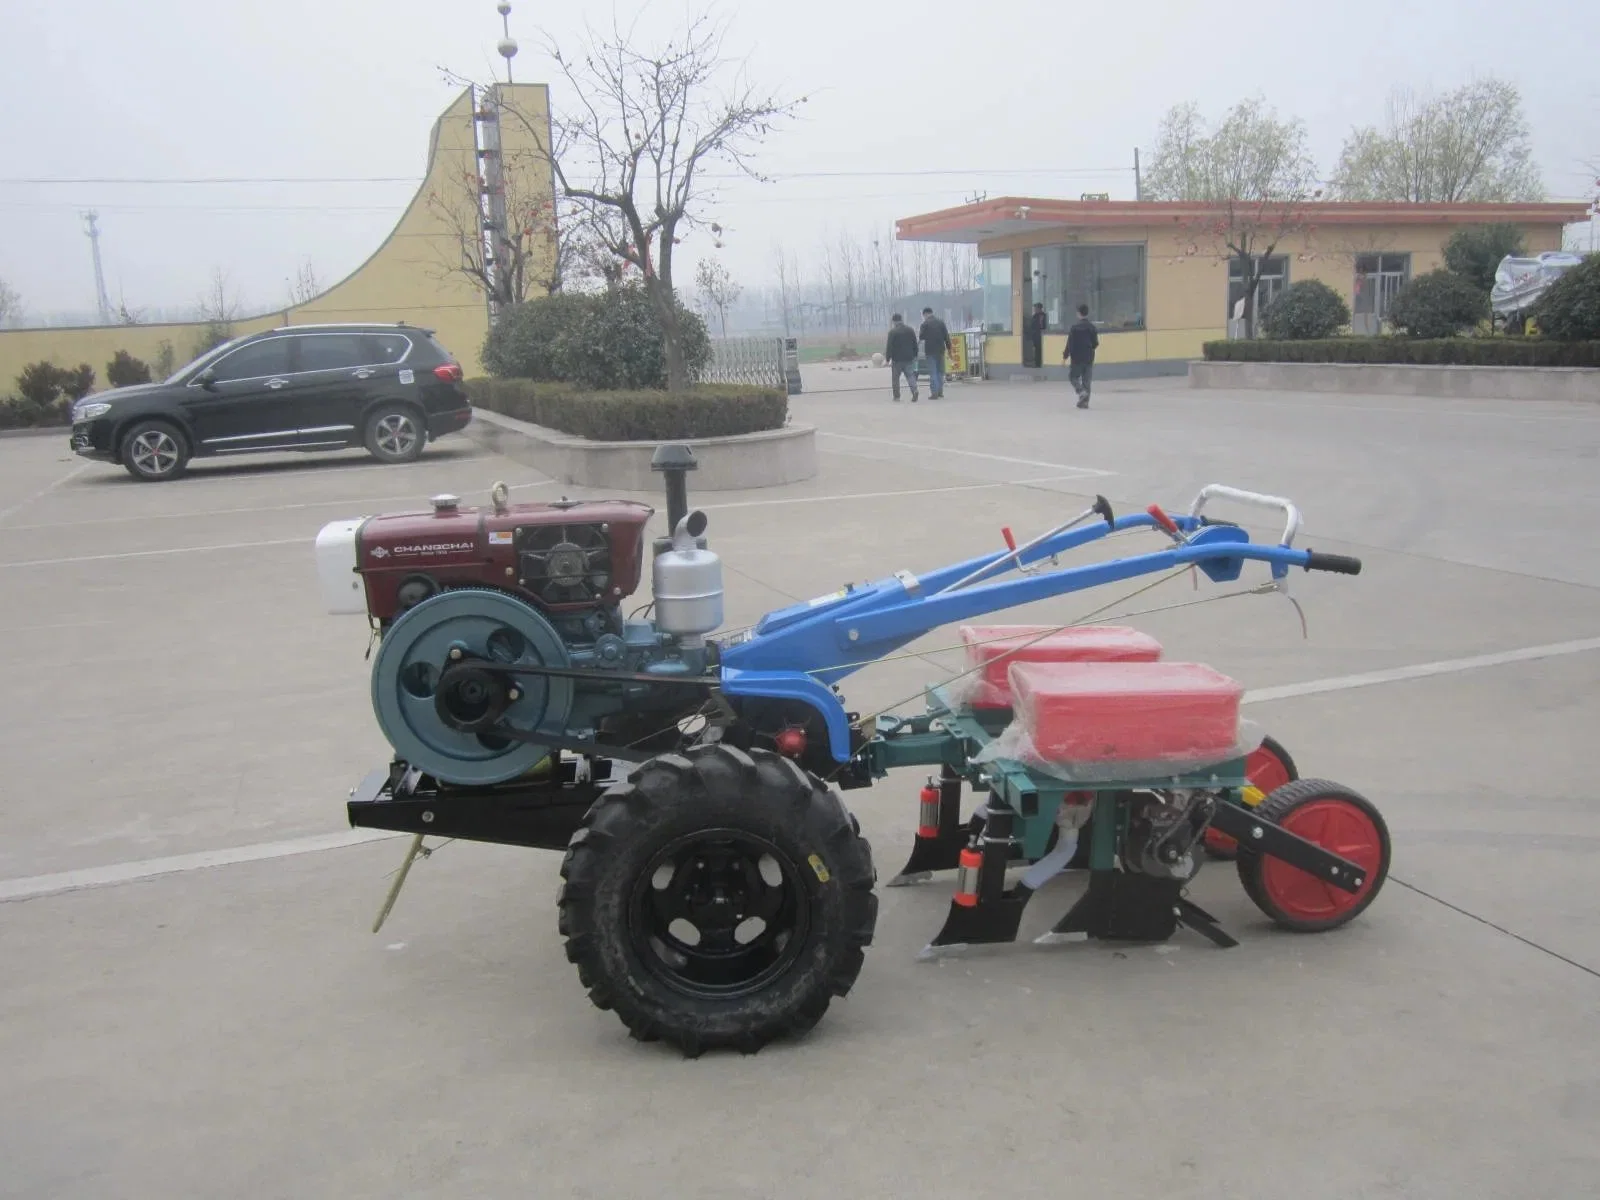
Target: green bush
pixel 604 341
pixel 1438 304
pixel 40 383
pixel 124 370
pixel 710 410
pixel 78 382
pixel 16 412
pixel 1308 309
pixel 1475 351
pixel 1570 310
pixel 1474 252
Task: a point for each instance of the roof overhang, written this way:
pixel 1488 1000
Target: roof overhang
pixel 1009 215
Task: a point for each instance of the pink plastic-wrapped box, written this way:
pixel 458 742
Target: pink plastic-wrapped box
pixel 992 649
pixel 1126 712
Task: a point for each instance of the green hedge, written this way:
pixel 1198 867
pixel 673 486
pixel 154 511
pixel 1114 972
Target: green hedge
pixel 18 413
pixel 710 410
pixel 1455 351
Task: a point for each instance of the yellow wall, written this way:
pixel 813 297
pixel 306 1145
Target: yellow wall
pixel 1186 280
pixel 407 278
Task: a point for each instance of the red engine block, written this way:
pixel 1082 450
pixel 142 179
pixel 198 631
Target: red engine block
pixel 565 556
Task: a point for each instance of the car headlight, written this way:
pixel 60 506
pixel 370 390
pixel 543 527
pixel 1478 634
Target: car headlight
pixel 87 412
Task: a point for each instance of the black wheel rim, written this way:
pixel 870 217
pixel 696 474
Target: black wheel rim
pixel 718 914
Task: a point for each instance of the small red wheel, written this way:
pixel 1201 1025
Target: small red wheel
pixel 1268 768
pixel 1335 818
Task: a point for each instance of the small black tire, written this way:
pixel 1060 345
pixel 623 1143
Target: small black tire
pixel 610 897
pixel 395 433
pixel 1295 900
pixel 153 451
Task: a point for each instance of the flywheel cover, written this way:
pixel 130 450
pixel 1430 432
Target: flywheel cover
pixel 415 651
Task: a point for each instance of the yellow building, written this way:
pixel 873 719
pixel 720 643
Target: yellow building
pixel 411 276
pixel 1160 281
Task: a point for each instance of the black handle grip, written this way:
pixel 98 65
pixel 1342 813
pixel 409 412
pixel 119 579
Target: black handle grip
pixel 1339 564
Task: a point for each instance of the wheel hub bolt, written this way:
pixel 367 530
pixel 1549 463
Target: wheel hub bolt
pixel 513 694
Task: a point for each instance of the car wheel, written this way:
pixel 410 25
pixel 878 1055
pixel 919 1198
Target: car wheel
pixel 154 451
pixel 395 434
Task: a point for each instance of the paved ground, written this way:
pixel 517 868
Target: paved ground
pixel 231 1028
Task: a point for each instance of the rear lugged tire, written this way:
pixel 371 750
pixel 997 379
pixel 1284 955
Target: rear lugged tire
pixel 1339 820
pixel 672 871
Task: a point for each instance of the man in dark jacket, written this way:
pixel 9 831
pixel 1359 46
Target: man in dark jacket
pixel 1082 340
pixel 935 338
pixel 901 351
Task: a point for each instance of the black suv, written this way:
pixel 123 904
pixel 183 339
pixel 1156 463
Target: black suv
pixel 390 388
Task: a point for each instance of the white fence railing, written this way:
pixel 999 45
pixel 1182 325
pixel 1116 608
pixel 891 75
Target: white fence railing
pixel 761 361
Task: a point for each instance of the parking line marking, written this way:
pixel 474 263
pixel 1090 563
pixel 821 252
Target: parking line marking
pixel 1021 462
pixel 1448 666
pixel 83 558
pixel 229 512
pixel 35 886
pixel 44 491
pixel 150 868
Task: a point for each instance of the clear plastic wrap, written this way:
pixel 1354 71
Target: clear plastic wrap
pixel 1099 722
pixel 992 649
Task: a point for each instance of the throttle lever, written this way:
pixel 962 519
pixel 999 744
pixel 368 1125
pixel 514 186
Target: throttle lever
pixel 1167 524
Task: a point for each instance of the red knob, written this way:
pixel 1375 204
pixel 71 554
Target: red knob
pixel 1163 520
pixel 1005 532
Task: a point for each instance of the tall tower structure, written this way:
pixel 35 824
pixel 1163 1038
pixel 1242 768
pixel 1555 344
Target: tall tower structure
pixel 492 181
pixel 102 301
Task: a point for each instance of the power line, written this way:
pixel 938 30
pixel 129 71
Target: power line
pixel 176 180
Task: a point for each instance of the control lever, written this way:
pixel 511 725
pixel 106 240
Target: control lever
pixel 1101 508
pixel 1165 522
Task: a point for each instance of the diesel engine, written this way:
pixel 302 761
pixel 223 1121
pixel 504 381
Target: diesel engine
pixel 500 630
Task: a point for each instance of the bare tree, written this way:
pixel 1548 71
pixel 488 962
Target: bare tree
pixel 1252 172
pixel 632 150
pixel 219 308
pixel 1470 144
pixel 788 285
pixel 10 304
pixel 712 280
pixel 305 286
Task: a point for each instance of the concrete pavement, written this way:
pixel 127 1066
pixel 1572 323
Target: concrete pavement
pixel 202 1030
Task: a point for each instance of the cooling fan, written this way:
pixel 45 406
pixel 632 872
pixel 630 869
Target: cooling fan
pixel 565 564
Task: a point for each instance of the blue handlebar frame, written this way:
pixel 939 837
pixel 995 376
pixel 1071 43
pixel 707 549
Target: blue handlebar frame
pixel 799 653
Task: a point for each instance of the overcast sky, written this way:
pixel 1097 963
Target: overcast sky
pixel 1033 98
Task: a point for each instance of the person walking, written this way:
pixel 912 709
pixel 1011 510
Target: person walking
pixel 1082 340
pixel 901 351
pixel 935 338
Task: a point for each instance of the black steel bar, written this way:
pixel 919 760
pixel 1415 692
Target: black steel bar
pixel 1255 835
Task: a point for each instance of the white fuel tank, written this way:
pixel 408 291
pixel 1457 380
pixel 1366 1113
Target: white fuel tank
pixel 342 589
pixel 687 583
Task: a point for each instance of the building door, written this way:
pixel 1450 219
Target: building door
pixel 1379 278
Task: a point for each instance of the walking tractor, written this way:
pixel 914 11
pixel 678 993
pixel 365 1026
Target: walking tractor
pixel 717 892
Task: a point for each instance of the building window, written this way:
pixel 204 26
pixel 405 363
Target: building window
pixel 1379 277
pixel 1274 277
pixel 996 271
pixel 1109 279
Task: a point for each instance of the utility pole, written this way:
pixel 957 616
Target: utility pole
pixel 1138 180
pixel 102 301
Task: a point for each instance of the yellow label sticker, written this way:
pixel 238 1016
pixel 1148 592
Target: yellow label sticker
pixel 821 869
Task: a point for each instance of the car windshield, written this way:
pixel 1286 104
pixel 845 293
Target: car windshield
pixel 195 365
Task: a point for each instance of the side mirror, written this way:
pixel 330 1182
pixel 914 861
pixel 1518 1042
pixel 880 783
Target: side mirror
pixel 207 378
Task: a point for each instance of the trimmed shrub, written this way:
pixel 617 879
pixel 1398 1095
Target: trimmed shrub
pixel 1438 304
pixel 1474 252
pixel 1308 309
pixel 1570 310
pixel 124 370
pixel 40 383
pixel 710 410
pixel 78 382
pixel 19 413
pixel 1476 351
pixel 602 341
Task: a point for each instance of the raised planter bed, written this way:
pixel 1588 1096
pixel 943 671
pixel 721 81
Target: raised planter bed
pixel 1395 379
pixel 742 461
